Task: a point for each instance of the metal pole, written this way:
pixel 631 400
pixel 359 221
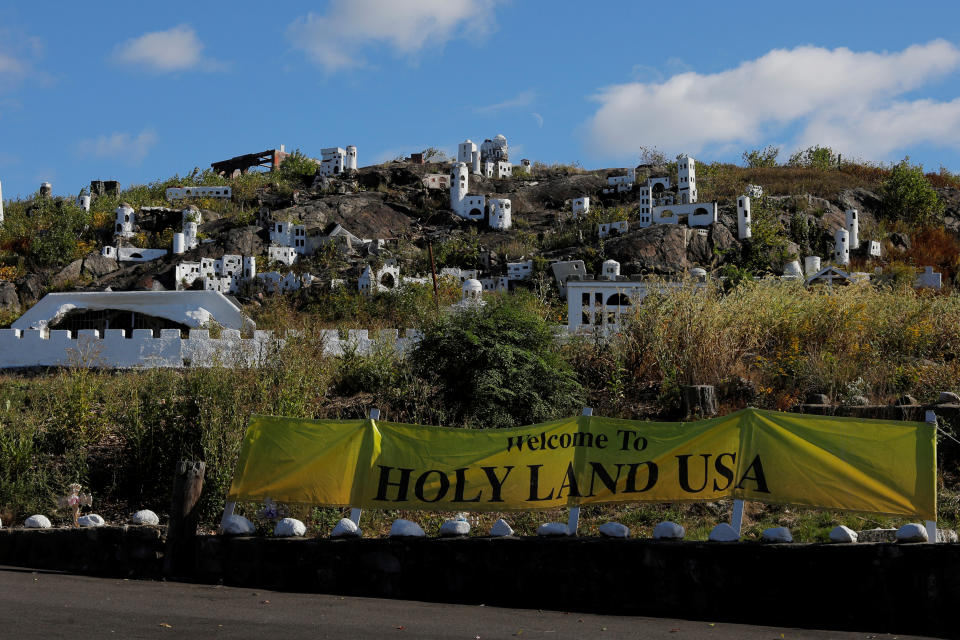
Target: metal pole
pixel 574 520
pixel 736 518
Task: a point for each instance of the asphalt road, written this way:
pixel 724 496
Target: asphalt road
pixel 36 604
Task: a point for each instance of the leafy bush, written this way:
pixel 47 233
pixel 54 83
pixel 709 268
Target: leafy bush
pixel 766 157
pixel 815 157
pixel 907 195
pixel 297 168
pixel 497 366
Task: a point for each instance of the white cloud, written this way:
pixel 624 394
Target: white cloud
pixel 122 145
pixel 538 118
pixel 335 39
pixel 852 101
pixel 522 99
pixel 176 49
pixel 18 58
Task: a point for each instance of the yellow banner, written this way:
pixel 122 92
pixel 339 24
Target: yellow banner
pixel 839 463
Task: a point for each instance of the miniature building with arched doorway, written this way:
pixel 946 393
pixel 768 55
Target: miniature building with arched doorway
pixel 125 221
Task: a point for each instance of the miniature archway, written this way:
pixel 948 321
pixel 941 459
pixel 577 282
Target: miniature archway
pixel 618 300
pixel 388 281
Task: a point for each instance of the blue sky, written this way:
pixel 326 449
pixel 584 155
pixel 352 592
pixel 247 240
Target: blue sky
pixel 137 92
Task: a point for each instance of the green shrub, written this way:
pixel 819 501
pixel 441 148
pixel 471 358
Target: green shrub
pixel 907 195
pixel 815 157
pixel 766 157
pixel 497 366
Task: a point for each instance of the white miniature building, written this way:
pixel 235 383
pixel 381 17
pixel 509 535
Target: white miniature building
pixel 332 161
pixel 929 280
pixel 519 270
pixel 755 191
pixel 286 255
pixel 125 221
pixel 1 203
pixel 853 228
pixel 286 234
pixel 581 206
pixel 792 270
pixel 132 254
pixel 611 270
pixel 494 150
pixel 83 201
pixel 874 249
pixel 619 184
pixel 386 278
pixel 744 222
pixel 468 154
pixel 526 166
pixel 460 274
pixel 351 158
pixel 176 193
pixel 249 267
pixel 436 181
pixel 612 228
pixel 499 213
pixel 472 296
pixel 191 218
pixel 464 205
pixel 811 266
pixel 841 247
pixel 687 180
pixel 496 284
pixel 567 270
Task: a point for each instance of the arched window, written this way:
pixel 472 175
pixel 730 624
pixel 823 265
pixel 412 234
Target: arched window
pixel 618 299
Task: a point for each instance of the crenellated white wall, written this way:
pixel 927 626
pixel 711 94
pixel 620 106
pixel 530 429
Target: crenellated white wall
pixel 38 348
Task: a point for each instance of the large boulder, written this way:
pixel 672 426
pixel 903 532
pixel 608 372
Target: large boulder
pixel 244 241
pixel 30 288
pixel 660 249
pixel 9 301
pixel 69 275
pixel 96 265
pixel 145 517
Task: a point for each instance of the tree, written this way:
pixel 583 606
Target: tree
pixel 907 195
pixel 432 154
pixel 652 156
pixel 497 366
pixel 815 157
pixel 766 157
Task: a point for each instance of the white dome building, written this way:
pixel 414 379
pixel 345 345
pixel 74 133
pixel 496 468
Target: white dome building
pixel 472 295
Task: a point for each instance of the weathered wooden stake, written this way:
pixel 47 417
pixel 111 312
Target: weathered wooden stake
pixel 184 516
pixel 699 400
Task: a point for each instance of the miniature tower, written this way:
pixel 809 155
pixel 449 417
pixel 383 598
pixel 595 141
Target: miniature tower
pixel 687 184
pixel 125 221
pixel 611 269
pixel 459 184
pixel 853 228
pixel 743 218
pixel 46 190
pixel 841 247
pixel 465 151
pixel 178 244
pixel 1 203
pixel 581 206
pixel 499 213
pixel 352 158
pixel 83 201
pixel 191 218
pixel 249 267
pixel 475 162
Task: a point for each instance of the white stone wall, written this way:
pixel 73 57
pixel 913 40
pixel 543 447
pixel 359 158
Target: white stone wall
pixel 176 193
pixel 34 348
pixel 605 229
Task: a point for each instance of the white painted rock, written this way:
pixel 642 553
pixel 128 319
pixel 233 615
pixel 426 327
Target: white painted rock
pixel 454 528
pixel 37 522
pixel 145 516
pixel 912 532
pixel 500 529
pixel 776 534
pixel 843 534
pixel 91 520
pixel 405 529
pixel 289 528
pixel 668 531
pixel 550 529
pixel 238 526
pixel 614 530
pixel 346 528
pixel 723 532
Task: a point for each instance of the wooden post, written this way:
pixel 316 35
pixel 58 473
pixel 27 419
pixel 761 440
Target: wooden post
pixel 433 270
pixel 699 400
pixel 356 512
pixel 184 515
pixel 931 419
pixel 574 520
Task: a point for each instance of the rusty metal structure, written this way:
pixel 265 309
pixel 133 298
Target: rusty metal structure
pixel 271 159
